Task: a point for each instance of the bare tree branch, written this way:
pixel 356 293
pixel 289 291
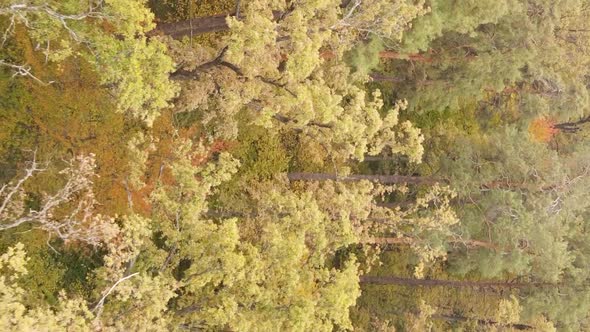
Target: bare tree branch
pixel 100 303
pixel 23 70
pixel 20 11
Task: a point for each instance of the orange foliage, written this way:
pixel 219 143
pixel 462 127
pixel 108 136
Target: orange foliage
pixel 217 146
pixel 542 129
pixel 220 145
pixel 74 115
pixel 156 171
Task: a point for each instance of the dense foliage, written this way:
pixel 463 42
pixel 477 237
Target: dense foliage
pixel 313 165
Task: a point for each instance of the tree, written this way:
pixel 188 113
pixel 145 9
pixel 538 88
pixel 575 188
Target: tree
pixel 79 223
pixel 242 202
pixel 80 314
pixel 109 34
pixel 240 272
pixel 490 53
pixel 362 16
pixel 530 208
pixel 71 314
pixel 273 70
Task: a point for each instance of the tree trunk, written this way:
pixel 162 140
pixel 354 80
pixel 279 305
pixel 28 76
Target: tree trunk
pixel 482 322
pixel 376 77
pixel 412 57
pixel 416 57
pixel 383 179
pixel 394 205
pixel 206 24
pixel 192 27
pixel 390 240
pixel 571 127
pixel 409 241
pixel 381 157
pixel 217 23
pixel 392 280
pixel 513 185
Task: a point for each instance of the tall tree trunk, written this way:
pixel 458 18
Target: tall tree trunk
pixel 394 205
pixel 206 24
pixel 192 27
pixel 383 179
pixel 418 57
pixel 392 280
pixel 571 127
pixel 514 185
pixel 483 322
pixel 198 25
pixel 216 23
pixel 381 157
pixel 409 241
pixel 376 77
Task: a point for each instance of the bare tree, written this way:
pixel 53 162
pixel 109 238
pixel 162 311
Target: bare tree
pixel 78 222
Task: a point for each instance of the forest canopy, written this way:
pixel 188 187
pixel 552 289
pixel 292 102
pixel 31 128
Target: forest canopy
pixel 280 165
